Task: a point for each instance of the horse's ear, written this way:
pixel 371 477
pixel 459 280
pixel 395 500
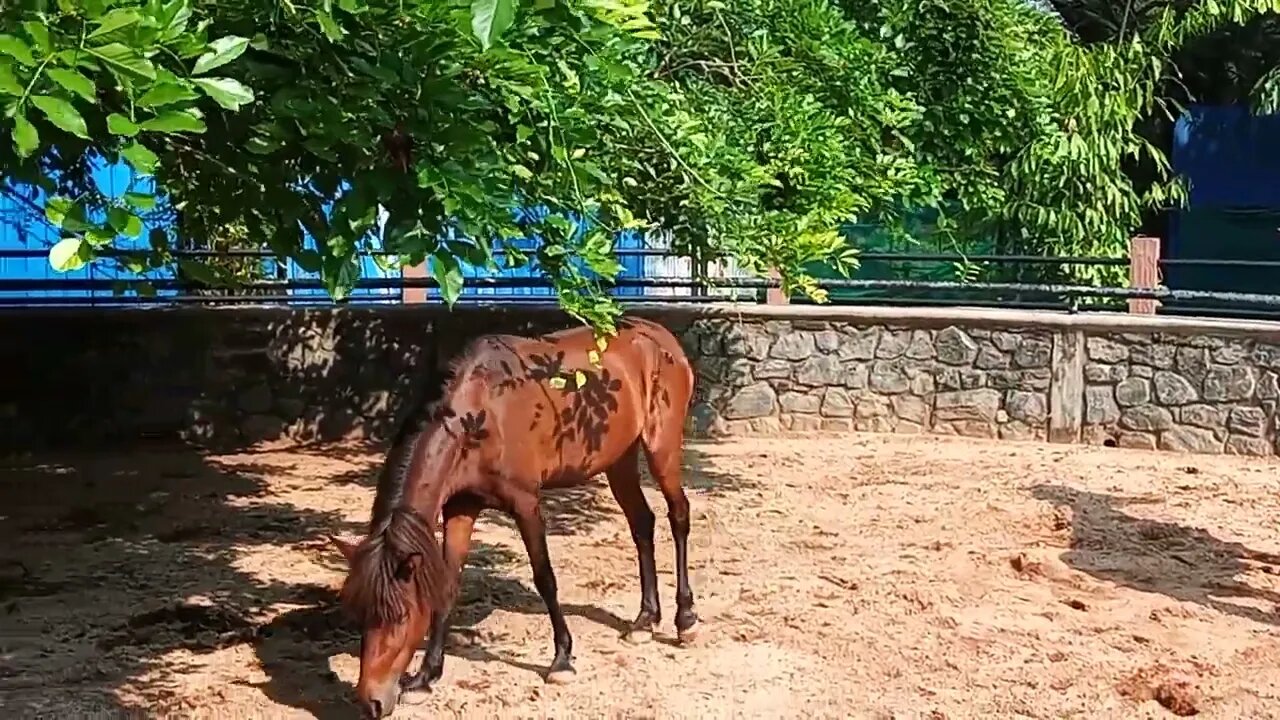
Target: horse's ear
pixel 346 547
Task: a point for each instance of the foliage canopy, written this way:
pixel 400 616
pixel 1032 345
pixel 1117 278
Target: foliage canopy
pixel 752 129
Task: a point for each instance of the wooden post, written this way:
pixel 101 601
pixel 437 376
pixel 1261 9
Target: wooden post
pixel 775 296
pixel 414 294
pixel 1144 272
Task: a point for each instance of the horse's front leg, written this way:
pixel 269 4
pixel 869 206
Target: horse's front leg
pixel 460 515
pixel 533 529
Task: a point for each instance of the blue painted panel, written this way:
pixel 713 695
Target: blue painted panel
pixel 22 226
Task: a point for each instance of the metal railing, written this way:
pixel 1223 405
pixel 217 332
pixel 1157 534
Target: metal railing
pixel 700 286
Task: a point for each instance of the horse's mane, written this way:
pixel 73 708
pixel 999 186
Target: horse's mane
pixel 373 590
pixel 403 548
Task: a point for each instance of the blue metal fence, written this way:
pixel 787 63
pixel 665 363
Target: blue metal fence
pixel 26 236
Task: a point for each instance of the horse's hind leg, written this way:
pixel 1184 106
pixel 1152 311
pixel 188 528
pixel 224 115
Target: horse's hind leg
pixel 624 481
pixel 663 444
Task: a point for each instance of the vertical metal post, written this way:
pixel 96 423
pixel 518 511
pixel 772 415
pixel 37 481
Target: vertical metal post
pixel 414 295
pixel 1144 272
pixel 775 296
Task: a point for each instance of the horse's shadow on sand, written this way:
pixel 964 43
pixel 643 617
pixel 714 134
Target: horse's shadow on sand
pixel 295 648
pixel 1184 563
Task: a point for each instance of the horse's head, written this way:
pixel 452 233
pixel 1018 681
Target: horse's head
pixel 394 586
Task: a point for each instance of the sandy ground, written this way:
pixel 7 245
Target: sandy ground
pixel 865 576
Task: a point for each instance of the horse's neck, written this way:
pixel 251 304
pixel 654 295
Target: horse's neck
pixel 435 468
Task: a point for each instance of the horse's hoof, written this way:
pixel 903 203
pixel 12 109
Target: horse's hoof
pixel 414 681
pixel 688 635
pixel 638 636
pixel 561 677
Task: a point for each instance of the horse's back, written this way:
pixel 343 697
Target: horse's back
pixel 562 408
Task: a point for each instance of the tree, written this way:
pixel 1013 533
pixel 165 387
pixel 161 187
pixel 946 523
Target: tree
pixel 752 129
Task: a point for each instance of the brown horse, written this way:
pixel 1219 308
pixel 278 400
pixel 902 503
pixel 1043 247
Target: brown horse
pixel 517 415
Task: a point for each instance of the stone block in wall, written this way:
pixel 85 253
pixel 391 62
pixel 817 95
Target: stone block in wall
pixel 1229 383
pixel 1239 445
pixel 793 346
pixel 893 344
pixel 1133 391
pixel 1100 373
pixel 1184 438
pixel 911 408
pixel 1155 356
pixel 1192 363
pixel 950 378
pixel 1173 389
pixel 858 343
pixel 1104 350
pixel 1248 421
pixel 992 358
pixel 827 340
pixel 888 377
pixel 795 402
pixel 773 369
pixel 836 403
pixel 955 347
pixel 1032 353
pixel 819 371
pixel 756 400
pixel 921 345
pixel 1208 417
pixel 855 375
pixel 980 405
pixel 1100 406
pixel 1147 418
pixel 1029 408
pixel 1137 441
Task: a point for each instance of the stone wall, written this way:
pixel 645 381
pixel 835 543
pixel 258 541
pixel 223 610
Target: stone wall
pixel 831 375
pixel 227 378
pixel 1195 393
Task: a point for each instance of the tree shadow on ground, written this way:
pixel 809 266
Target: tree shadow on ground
pixel 109 563
pixel 1185 563
pixel 296 647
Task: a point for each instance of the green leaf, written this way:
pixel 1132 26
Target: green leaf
pixel 116 19
pixel 25 137
pixel 62 114
pixel 57 208
pixel 118 124
pixel 221 51
pixel 159 240
pixel 173 121
pixel 166 94
pixel 448 275
pixel 74 82
pixel 228 93
pixel 38 32
pixel 199 272
pixel 309 260
pixel 491 18
pixel 142 201
pixel 124 60
pixel 9 84
pixel 67 255
pixel 17 49
pixel 140 157
pixel 331 28
pixel 124 222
